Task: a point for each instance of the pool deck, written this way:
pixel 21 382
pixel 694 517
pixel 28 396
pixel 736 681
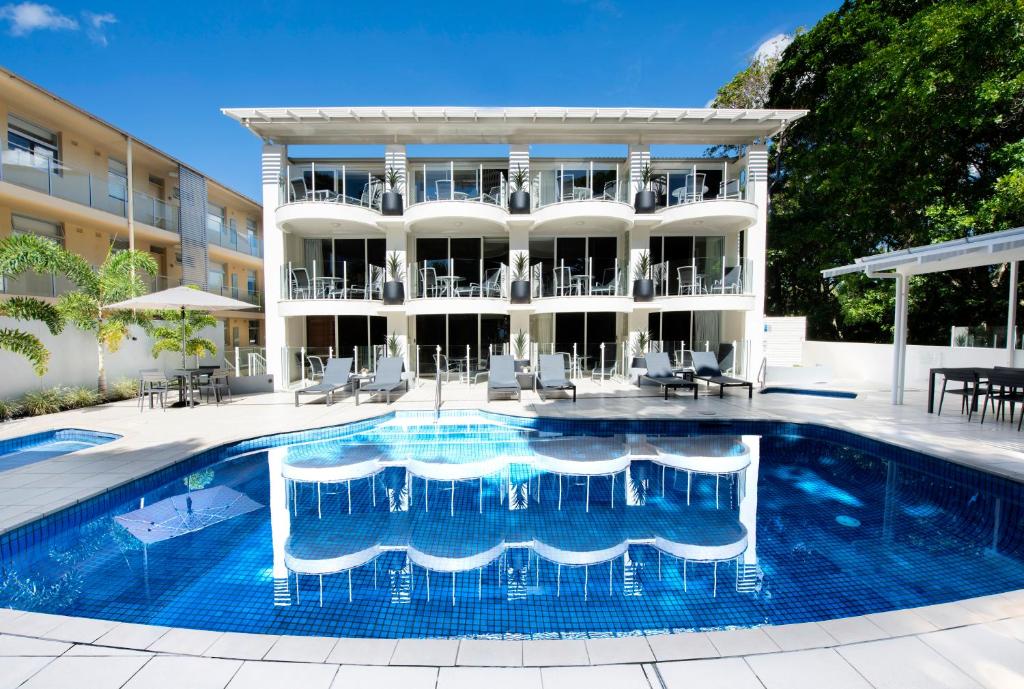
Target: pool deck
pixel 972 643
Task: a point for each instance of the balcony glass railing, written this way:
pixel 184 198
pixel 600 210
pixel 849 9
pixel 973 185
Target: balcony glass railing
pixel 337 183
pixel 152 211
pixel 578 181
pixel 690 185
pixel 343 280
pixel 593 277
pixel 236 293
pixel 458 277
pixel 217 233
pixel 458 181
pixel 702 276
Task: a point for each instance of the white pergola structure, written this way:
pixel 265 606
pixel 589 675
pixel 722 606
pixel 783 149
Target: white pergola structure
pixel 968 252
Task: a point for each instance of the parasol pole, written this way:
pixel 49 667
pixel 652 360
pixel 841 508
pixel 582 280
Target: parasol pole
pixel 183 354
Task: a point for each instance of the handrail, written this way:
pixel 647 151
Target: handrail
pixel 437 387
pixel 762 374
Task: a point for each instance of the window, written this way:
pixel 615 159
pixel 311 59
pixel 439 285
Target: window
pixel 117 244
pixel 251 281
pixel 25 136
pixel 215 218
pixel 22 224
pixel 250 234
pixel 254 333
pixel 117 179
pixel 234 285
pixel 216 275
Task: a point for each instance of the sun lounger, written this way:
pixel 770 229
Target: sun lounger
pixel 552 375
pixel 501 378
pixel 336 377
pixel 387 379
pixel 706 368
pixel 659 372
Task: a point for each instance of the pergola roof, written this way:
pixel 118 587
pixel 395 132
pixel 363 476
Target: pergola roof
pixel 967 252
pixel 419 125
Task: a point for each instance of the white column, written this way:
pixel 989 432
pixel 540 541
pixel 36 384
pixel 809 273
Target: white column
pixel 130 171
pixel 899 344
pixel 755 252
pixel 274 159
pixel 396 241
pixel 1011 315
pixel 637 319
pixel 518 243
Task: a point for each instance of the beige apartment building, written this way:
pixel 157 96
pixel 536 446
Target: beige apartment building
pixel 70 176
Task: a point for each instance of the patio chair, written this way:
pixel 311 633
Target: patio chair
pixel 562 281
pixel 659 372
pixel 729 283
pixel 706 368
pixel 336 377
pixel 552 374
pixel 493 196
pixel 1004 385
pixel 968 392
pixel 611 191
pixel 491 287
pixel 372 193
pixel 153 384
pixel 447 367
pixel 428 282
pixel 606 285
pixel 387 379
pixel 689 281
pixel 316 367
pixel 659 273
pixel 501 377
pixel 374 287
pixel 217 385
pixel 301 286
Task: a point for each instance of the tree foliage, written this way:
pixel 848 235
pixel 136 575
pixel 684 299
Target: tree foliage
pixel 915 135
pixel 167 333
pixel 117 279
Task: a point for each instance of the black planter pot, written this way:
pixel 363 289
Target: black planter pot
pixel 394 293
pixel 519 202
pixel 643 290
pixel 645 201
pixel 391 203
pixel 520 292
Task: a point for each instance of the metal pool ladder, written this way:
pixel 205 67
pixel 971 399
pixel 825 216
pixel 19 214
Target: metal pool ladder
pixel 437 387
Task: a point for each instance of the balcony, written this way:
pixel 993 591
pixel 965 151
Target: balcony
pixel 589 278
pixel 248 297
pixel 326 197
pixel 219 235
pixel 450 194
pixel 690 198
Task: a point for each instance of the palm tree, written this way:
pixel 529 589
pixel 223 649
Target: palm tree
pixel 117 279
pixel 168 335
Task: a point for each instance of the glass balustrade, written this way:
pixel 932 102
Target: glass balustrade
pixel 578 181
pixel 457 277
pixel 702 276
pixel 152 211
pixel 221 235
pixel 677 187
pixel 335 183
pixel 591 277
pixel 458 181
pixel 341 280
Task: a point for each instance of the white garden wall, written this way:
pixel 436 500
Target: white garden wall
pixel 73 359
pixel 871 364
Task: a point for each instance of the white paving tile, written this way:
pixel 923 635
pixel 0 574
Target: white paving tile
pixel 596 677
pixel 806 670
pixel 995 607
pixel 490 653
pixel 796 637
pixel 994 660
pixel 682 646
pixel 904 663
pixel 184 672
pixel 85 673
pixel 90 650
pixel 851 630
pixel 301 649
pixel 127 635
pixel 741 642
pixel 435 652
pixel 27 646
pixel 901 623
pixel 260 674
pixel 548 652
pixel 30 623
pixel 718 673
pixel 80 630
pixel 1013 627
pixel 371 677
pixel 616 650
pixel 489 677
pixel 185 641
pixel 363 651
pixel 241 646
pixel 14 671
pixel 946 615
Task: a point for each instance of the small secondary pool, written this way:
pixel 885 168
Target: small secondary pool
pixel 486 525
pixel 29 449
pixel 812 392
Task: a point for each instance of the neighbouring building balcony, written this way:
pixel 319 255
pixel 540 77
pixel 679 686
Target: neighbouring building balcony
pixel 50 176
pixel 219 235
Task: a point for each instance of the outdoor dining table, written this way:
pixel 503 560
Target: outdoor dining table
pixel 326 285
pixel 449 283
pixel 982 373
pixel 187 376
pixel 579 281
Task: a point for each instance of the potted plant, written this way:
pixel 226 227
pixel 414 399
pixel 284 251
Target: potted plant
pixel 645 200
pixel 520 350
pixel 641 343
pixel 519 291
pixel 394 345
pixel 643 285
pixel 391 201
pixel 519 199
pixel 394 290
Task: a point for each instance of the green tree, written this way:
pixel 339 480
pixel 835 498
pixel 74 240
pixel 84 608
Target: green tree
pixel 167 332
pixel 117 279
pixel 915 135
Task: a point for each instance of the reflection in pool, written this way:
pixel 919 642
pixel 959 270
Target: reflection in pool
pixel 495 526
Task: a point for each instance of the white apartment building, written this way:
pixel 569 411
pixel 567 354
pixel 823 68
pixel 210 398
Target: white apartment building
pixel 465 240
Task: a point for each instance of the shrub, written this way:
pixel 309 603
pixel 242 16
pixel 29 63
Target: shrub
pixel 123 389
pixel 73 398
pixel 41 402
pixel 9 409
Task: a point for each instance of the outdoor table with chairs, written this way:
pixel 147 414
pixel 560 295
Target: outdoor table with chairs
pixel 996 386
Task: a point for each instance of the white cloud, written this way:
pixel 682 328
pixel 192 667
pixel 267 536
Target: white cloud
pixel 97 24
pixel 772 47
pixel 26 17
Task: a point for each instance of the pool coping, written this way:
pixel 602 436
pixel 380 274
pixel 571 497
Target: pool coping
pixel 105 637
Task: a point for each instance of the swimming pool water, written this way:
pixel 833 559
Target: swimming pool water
pixel 491 526
pixel 29 449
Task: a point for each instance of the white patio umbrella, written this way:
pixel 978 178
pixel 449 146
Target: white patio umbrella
pixel 183 298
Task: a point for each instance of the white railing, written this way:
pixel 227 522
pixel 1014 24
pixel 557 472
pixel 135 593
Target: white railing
pixel 457 277
pixel 341 281
pixel 578 181
pixel 458 181
pixel 607 279
pixel 333 182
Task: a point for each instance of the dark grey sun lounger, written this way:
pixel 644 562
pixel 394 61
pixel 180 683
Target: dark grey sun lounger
pixel 336 377
pixel 706 368
pixel 501 378
pixel 387 379
pixel 551 374
pixel 659 372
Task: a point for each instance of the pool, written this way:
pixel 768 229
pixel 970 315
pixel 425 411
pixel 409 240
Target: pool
pixel 812 392
pixel 29 449
pixel 486 525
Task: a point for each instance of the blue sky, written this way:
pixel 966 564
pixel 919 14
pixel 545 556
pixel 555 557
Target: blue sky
pixel 162 70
